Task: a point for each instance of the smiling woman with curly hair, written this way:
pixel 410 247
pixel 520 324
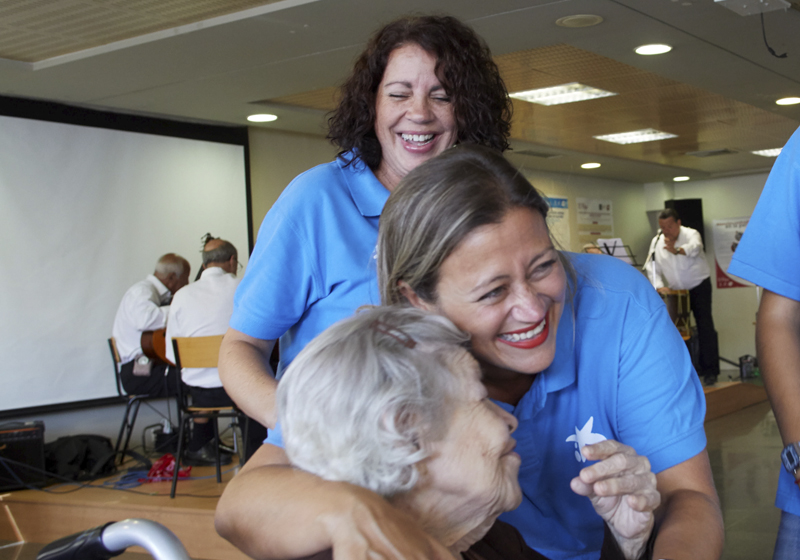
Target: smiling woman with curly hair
pixel 422 85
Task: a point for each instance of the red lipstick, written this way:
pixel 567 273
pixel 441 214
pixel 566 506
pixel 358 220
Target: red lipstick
pixel 528 343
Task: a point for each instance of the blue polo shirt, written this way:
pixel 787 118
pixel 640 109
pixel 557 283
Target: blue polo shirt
pixel 313 263
pixel 621 371
pixel 768 255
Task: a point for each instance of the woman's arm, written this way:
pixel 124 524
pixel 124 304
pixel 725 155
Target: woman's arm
pixel 247 377
pixel 271 510
pixel 689 521
pixel 778 342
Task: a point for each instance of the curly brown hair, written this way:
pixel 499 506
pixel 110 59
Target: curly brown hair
pixel 464 66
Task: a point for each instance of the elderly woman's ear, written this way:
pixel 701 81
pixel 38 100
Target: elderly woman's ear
pixel 412 297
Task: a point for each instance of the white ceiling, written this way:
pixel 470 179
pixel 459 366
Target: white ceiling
pixel 218 70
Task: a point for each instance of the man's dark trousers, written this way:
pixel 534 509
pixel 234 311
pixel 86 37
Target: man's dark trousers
pixel 700 301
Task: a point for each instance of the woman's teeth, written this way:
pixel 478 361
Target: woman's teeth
pixel 419 138
pixel 516 337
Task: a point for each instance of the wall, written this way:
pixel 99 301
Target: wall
pixel 628 205
pixel 276 158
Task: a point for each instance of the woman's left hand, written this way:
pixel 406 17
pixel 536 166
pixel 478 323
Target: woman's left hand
pixel 623 492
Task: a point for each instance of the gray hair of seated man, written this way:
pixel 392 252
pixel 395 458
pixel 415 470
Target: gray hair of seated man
pixel 359 403
pixel 220 254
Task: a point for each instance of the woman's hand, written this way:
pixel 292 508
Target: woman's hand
pixel 367 527
pixel 623 492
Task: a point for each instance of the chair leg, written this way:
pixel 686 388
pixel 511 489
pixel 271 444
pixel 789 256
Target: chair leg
pixel 245 441
pixel 126 430
pixel 213 419
pixel 122 426
pixel 178 456
pixel 234 426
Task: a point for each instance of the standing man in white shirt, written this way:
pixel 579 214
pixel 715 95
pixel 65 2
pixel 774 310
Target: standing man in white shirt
pixel 676 261
pixel 143 308
pixel 204 308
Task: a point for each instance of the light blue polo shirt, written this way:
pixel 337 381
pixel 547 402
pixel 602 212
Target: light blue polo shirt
pixel 313 263
pixel 621 371
pixel 768 255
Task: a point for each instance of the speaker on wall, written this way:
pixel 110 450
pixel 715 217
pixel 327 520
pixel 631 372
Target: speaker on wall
pixel 21 455
pixel 691 212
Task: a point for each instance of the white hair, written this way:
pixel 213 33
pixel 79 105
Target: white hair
pixel 360 401
pixel 171 264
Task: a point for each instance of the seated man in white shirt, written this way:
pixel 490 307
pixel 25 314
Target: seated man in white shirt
pixel 204 308
pixel 143 308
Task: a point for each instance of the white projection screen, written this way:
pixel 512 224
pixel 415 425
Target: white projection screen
pixel 85 212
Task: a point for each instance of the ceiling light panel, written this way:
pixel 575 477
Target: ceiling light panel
pixel 558 95
pixel 636 136
pixel 775 152
pixel 263 117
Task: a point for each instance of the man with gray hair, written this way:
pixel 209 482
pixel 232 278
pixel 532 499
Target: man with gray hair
pixel 204 308
pixel 143 308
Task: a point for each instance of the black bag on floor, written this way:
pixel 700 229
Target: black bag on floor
pixel 79 458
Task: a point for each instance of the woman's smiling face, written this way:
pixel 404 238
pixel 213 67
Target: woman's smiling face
pixel 505 285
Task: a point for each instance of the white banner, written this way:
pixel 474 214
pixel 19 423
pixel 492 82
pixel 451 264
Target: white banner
pixel 595 219
pixel 727 234
pixel 558 220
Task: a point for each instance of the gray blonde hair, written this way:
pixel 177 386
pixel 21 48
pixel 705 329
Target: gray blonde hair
pixel 436 206
pixel 361 400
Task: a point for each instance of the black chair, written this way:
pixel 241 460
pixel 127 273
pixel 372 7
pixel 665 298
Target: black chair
pixel 131 407
pixel 201 352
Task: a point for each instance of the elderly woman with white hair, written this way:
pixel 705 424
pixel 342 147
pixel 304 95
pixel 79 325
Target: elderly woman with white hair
pixel 391 400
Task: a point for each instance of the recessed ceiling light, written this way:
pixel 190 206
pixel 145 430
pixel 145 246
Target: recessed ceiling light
pixel 264 117
pixel 590 166
pixel 774 152
pixel 579 20
pixel 680 179
pixel 636 136
pixel 653 49
pixel 788 101
pixel 565 93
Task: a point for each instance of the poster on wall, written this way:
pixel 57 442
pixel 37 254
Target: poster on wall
pixel 595 219
pixel 727 234
pixel 558 220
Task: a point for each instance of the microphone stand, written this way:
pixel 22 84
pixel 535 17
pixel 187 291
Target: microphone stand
pixel 652 257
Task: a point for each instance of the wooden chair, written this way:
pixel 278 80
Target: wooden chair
pixel 200 352
pixel 131 407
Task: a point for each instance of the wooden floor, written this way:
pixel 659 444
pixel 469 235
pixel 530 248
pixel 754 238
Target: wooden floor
pixel 41 517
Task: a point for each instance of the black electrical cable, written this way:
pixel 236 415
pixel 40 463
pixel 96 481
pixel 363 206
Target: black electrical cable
pixel 764 32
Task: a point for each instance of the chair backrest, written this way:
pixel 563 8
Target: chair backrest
pixel 196 351
pixel 112 345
